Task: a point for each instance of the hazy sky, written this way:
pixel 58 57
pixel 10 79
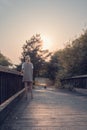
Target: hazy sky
pixel 57 20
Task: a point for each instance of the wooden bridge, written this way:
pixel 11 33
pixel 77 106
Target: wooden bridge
pixel 49 110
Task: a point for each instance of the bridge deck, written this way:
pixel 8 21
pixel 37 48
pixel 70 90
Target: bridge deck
pixel 49 110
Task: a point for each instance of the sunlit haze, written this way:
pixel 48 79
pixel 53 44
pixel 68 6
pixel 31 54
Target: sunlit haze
pixel 58 21
pixel 47 42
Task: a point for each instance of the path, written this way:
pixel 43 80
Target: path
pixel 49 110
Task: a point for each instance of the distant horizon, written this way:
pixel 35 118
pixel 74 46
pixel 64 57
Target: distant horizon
pixel 57 21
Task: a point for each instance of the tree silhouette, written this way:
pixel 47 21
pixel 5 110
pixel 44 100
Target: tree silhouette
pixel 33 48
pixel 4 61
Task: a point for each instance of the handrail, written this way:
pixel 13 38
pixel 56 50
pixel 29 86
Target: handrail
pixel 10 83
pixel 8 70
pixel 79 81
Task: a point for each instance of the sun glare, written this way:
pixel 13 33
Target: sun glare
pixel 46 42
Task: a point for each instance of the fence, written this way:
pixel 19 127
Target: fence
pixel 76 81
pixel 10 83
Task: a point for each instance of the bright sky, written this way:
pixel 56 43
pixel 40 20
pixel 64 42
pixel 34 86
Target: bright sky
pixel 58 21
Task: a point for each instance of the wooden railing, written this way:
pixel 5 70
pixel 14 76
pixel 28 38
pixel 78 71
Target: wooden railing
pixel 75 81
pixel 10 83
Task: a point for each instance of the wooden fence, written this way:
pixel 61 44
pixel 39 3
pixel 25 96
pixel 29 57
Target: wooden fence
pixel 75 81
pixel 10 83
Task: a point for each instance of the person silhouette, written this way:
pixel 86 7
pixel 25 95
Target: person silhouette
pixel 27 70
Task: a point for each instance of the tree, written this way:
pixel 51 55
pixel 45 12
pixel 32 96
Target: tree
pixel 33 48
pixel 80 47
pixel 75 56
pixel 72 60
pixel 4 61
pixel 53 66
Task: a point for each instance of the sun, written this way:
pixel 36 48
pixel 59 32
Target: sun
pixel 46 42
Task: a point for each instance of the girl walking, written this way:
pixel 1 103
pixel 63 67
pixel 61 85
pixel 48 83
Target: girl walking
pixel 27 69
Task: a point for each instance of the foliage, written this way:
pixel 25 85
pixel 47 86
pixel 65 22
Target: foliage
pixel 70 61
pixel 33 48
pixel 74 56
pixel 53 66
pixel 4 61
